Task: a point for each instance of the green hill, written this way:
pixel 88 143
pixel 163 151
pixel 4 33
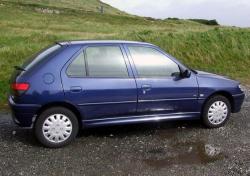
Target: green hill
pixel 26 26
pixel 80 5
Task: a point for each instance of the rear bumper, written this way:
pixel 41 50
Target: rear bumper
pixel 23 114
pixel 238 101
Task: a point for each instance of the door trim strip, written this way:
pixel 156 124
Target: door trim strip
pixel 173 99
pixel 106 103
pixel 140 101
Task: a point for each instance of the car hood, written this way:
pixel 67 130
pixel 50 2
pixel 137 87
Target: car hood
pixel 212 75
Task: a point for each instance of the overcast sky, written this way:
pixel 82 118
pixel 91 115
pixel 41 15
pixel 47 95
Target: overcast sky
pixel 227 12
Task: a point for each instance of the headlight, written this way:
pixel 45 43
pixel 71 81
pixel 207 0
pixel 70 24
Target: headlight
pixel 241 88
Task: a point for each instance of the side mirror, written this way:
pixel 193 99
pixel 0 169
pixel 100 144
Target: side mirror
pixel 184 72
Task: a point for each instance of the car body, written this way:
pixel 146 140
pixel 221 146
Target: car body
pixel 115 82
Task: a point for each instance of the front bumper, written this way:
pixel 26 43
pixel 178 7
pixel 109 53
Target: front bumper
pixel 23 114
pixel 237 103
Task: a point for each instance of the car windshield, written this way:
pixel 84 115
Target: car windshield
pixel 38 57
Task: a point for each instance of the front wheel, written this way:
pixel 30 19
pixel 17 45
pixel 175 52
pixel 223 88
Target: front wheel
pixel 216 111
pixel 56 127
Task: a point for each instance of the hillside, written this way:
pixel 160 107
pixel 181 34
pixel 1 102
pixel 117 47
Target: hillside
pixel 26 26
pixel 80 5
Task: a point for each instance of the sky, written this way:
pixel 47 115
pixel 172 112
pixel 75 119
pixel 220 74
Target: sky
pixel 226 12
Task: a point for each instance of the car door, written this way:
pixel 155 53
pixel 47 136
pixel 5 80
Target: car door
pixel 160 89
pixel 99 81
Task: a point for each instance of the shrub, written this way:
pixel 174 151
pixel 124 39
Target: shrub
pixel 206 22
pixel 173 19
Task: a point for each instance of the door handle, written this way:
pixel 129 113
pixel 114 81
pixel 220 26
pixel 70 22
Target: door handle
pixel 146 88
pixel 75 89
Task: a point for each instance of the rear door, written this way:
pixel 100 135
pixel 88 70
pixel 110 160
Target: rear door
pixel 160 89
pixel 100 82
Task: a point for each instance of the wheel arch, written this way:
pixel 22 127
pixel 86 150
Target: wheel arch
pixel 226 94
pixel 60 104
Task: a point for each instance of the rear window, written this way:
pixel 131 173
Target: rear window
pixel 40 56
pixel 105 61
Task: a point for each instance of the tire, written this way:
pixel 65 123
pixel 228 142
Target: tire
pixel 56 127
pixel 216 111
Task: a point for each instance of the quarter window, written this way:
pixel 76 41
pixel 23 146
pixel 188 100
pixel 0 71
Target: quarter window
pixel 151 63
pixel 77 67
pixel 105 61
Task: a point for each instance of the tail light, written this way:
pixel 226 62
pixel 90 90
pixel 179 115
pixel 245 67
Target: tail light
pixel 19 88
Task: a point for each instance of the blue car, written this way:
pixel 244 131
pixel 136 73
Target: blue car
pixel 80 84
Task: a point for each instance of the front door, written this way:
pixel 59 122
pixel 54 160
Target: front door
pixel 160 88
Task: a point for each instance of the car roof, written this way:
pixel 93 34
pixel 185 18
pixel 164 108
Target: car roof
pixel 82 42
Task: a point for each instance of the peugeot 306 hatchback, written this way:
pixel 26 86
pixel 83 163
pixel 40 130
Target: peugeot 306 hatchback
pixel 81 84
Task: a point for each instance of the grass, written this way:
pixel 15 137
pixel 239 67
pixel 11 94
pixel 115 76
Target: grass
pixel 80 5
pixel 25 30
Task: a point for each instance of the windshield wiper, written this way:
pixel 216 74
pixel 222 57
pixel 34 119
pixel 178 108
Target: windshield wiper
pixel 19 68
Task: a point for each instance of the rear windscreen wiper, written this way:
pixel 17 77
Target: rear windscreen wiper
pixel 19 68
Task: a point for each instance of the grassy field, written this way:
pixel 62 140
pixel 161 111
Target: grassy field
pixel 79 5
pixel 25 28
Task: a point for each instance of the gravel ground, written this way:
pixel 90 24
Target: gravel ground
pixel 169 148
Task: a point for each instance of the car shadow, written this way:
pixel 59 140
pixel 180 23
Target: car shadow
pixel 26 136
pixel 122 131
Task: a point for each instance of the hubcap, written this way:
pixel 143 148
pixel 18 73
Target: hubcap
pixel 57 128
pixel 217 112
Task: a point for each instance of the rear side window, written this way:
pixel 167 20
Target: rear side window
pixel 39 57
pixel 151 63
pixel 77 67
pixel 105 61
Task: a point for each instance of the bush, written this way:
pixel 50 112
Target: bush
pixel 151 19
pixel 176 19
pixel 206 22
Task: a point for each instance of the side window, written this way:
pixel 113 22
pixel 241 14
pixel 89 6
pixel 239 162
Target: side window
pixel 77 67
pixel 152 63
pixel 105 61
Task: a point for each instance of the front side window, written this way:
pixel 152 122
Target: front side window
pixel 151 63
pixel 105 61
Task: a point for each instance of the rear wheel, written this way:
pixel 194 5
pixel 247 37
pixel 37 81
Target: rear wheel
pixel 56 127
pixel 216 111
